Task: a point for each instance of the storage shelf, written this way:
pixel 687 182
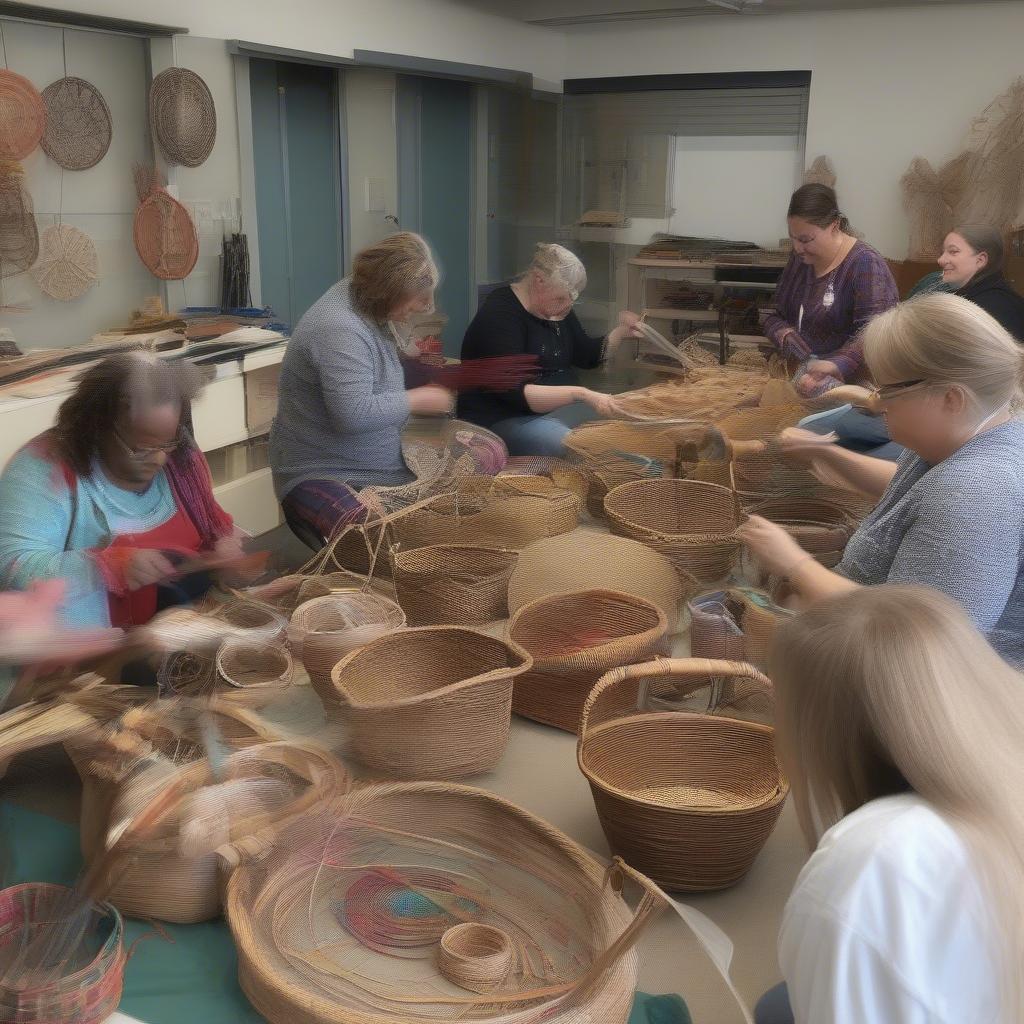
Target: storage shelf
pixel 703 316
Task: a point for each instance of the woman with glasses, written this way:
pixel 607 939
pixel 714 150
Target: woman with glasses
pixel 950 512
pixel 113 496
pixel 831 287
pixel 534 316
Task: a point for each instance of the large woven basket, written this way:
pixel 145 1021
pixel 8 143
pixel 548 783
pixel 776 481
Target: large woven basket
pixel 346 925
pixel 573 639
pixel 88 942
pixel 691 522
pixel 688 798
pixel 453 584
pixel 429 702
pixel 322 631
pixel 733 625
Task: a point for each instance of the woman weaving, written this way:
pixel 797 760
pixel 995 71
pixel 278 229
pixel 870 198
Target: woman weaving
pixel 950 513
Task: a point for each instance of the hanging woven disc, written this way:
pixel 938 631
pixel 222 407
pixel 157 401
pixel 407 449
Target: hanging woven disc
pixel 182 116
pixel 78 126
pixel 22 116
pixel 19 236
pixel 68 266
pixel 165 237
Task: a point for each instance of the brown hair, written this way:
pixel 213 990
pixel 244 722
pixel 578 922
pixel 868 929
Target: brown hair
pixel 982 238
pixel 817 204
pixel 389 272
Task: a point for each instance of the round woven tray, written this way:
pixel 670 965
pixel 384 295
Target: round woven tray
pixel 693 823
pixel 182 116
pixel 68 266
pixel 573 639
pixel 165 237
pixel 22 116
pixel 78 125
pixel 429 702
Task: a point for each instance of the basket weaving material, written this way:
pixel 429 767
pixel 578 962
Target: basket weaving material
pixel 820 527
pixel 322 631
pixel 22 116
pixel 573 639
pixel 430 702
pixel 68 265
pixel 453 584
pixel 254 673
pixel 588 560
pixel 19 235
pixel 182 116
pixel 85 986
pixel 560 472
pixel 733 625
pixel 691 522
pixel 345 925
pixel 286 593
pixel 693 823
pixel 185 629
pixel 78 127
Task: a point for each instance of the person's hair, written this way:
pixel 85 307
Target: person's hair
pixel 116 388
pixel 891 688
pixel 817 204
pixel 946 340
pixel 559 267
pixel 982 238
pixel 390 272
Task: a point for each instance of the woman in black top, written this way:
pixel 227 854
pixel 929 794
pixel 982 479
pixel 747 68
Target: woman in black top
pixel 972 264
pixel 534 316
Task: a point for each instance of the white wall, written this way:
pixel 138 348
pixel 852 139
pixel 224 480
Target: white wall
pixel 886 85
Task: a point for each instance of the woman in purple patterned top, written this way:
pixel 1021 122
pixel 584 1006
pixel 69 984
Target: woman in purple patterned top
pixel 831 287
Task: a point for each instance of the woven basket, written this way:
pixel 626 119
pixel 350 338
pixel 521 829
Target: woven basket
pixel 22 116
pixel 182 116
pixel 453 584
pixel 430 702
pixel 573 639
pixel 325 629
pixel 820 527
pixel 286 593
pixel 560 472
pixel 693 822
pixel 89 990
pixel 733 625
pixel 254 674
pixel 690 522
pixel 19 234
pixel 78 132
pixel 364 903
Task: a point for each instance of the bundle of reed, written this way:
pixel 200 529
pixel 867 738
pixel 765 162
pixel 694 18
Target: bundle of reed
pixel 38 724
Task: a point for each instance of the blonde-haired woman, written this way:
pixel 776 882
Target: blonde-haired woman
pixel 902 733
pixel 342 398
pixel 950 512
pixel 534 316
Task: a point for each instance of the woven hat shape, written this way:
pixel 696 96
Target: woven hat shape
pixel 182 116
pixel 68 265
pixel 19 236
pixel 78 127
pixel 22 116
pixel 165 237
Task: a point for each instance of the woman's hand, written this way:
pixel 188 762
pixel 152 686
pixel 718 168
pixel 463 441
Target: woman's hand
pixel 431 400
pixel 246 568
pixel 804 445
pixel 602 404
pixel 823 368
pixel 771 545
pixel 147 566
pixel 628 327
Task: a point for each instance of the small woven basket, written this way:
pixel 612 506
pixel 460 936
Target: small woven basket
pixel 89 990
pixel 695 822
pixel 433 702
pixel 818 526
pixel 254 673
pixel 733 625
pixel 691 522
pixel 573 639
pixel 453 584
pixel 322 631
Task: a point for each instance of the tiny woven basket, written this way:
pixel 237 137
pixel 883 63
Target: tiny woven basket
pixel 573 639
pixel 78 124
pixel 433 702
pixel 453 584
pixel 68 265
pixel 323 630
pixel 182 116
pixel 22 116
pixel 691 522
pixel 90 946
pixel 733 625
pixel 696 822
pixel 253 673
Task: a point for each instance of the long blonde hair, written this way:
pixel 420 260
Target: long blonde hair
pixel 891 688
pixel 946 340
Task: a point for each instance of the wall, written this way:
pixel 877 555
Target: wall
pixel 887 84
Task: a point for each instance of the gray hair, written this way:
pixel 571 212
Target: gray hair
pixel 560 267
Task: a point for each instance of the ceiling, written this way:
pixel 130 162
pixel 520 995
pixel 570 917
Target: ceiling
pixel 562 13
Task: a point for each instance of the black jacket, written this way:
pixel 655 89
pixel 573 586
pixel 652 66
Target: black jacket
pixel 996 296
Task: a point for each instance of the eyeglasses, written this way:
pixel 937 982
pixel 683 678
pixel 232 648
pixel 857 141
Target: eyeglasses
pixel 894 390
pixel 145 454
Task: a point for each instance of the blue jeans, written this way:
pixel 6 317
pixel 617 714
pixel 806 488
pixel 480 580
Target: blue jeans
pixel 858 431
pixel 542 435
pixel 773 1007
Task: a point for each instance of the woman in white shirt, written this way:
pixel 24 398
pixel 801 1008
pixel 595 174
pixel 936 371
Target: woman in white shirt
pixel 902 732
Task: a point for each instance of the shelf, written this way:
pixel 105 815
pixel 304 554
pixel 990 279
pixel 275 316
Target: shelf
pixel 695 316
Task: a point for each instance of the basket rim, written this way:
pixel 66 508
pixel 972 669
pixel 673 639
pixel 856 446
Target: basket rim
pixel 231 644
pixel 303 610
pixel 671 484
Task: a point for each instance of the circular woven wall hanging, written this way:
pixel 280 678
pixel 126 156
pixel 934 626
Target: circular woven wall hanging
pixel 19 236
pixel 22 116
pixel 78 126
pixel 165 237
pixel 182 116
pixel 68 266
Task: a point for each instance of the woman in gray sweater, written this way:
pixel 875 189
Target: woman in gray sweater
pixel 950 513
pixel 342 398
